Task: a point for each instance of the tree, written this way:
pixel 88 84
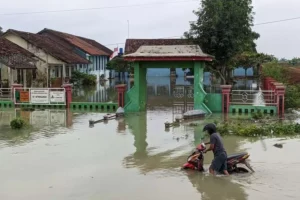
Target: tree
pixel 251 59
pixel 118 64
pixel 1 30
pixel 223 29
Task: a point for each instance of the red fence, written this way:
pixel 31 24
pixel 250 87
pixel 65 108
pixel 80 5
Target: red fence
pixel 269 84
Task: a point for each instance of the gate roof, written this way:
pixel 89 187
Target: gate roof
pixel 169 53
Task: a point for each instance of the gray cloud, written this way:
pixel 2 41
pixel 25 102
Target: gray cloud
pixel 109 26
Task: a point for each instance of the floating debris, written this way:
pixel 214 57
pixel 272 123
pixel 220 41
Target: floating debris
pixel 194 124
pixel 120 112
pixel 192 114
pixel 278 145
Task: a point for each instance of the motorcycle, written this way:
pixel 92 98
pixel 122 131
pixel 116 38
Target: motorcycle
pixel 195 161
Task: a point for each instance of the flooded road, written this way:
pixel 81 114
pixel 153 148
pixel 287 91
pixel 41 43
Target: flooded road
pixel 133 158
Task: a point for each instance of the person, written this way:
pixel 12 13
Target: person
pixel 219 163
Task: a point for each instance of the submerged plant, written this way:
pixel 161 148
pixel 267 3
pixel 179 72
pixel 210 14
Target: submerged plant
pixel 17 123
pixel 259 129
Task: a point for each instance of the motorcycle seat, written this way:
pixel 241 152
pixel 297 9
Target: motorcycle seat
pixel 236 155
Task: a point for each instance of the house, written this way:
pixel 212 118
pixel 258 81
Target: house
pixel 89 49
pixel 17 65
pixel 56 60
pixel 132 45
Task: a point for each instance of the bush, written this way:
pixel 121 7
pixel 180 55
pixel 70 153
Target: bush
pixel 274 70
pixel 83 78
pixel 17 123
pixel 257 130
pixel 257 115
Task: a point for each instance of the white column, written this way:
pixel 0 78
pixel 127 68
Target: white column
pixel 47 72
pixel 11 76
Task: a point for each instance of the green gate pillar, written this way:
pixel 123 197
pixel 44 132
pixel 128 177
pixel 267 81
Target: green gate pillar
pixel 199 93
pixel 137 95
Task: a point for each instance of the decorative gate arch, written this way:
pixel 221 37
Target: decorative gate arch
pixel 166 56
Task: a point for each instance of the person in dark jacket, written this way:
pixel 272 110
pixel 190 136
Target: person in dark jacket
pixel 219 163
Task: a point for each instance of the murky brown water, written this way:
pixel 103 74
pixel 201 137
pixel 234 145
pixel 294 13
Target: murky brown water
pixel 133 158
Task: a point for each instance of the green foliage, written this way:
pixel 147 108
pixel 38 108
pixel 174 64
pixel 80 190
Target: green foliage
pixel 276 71
pixel 292 96
pixel 257 115
pixel 250 59
pixel 223 29
pixel 119 65
pixel 257 130
pixel 294 61
pixel 83 78
pixel 17 123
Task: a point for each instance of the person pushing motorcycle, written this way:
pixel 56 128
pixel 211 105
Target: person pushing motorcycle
pixel 219 163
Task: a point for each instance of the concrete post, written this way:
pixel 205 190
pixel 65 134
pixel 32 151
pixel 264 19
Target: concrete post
pixel 121 94
pixel 68 88
pixel 18 87
pixel 226 89
pixel 199 93
pixel 280 91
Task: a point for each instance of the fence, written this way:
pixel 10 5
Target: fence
pixel 253 97
pixel 5 94
pixel 215 89
pixel 40 96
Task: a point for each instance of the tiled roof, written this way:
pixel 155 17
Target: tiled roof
pixel 15 56
pixel 55 49
pixel 98 45
pixel 87 45
pixel 132 45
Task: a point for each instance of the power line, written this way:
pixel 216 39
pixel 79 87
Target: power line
pixel 258 24
pixel 277 21
pixel 100 8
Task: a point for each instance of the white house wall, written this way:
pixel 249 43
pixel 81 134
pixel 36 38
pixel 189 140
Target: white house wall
pixel 98 66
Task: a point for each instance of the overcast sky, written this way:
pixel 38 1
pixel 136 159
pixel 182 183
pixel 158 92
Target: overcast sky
pixel 109 26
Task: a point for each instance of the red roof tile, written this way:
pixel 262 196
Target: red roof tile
pixel 132 45
pixel 87 45
pixel 15 56
pixel 57 50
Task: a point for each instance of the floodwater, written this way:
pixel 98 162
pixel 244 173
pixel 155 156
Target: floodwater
pixel 62 158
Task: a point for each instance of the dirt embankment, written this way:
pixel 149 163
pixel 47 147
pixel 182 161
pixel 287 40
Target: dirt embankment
pixel 294 75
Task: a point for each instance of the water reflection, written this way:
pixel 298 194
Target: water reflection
pixel 43 123
pixel 221 188
pixel 103 92
pixel 147 160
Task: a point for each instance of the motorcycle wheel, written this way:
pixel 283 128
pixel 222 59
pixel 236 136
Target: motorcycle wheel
pixel 241 170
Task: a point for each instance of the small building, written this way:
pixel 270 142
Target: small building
pixel 17 65
pixel 96 53
pixel 56 60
